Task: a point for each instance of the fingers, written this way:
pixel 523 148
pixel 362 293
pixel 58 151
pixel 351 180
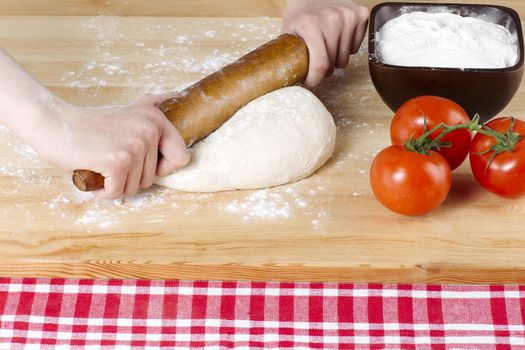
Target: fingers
pixel 175 155
pixel 148 100
pixel 143 150
pixel 138 153
pixel 131 160
pixel 361 14
pixel 154 99
pixel 131 170
pixel 319 60
pixel 151 134
pixel 115 178
pixel 346 40
pixel 150 166
pixel 113 187
pixel 332 30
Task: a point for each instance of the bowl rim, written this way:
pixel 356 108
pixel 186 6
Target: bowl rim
pixel 373 59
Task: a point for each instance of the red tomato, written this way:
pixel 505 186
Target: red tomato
pixel 409 119
pixel 505 175
pixel 410 183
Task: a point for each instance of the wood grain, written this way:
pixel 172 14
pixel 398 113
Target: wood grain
pixel 325 228
pixel 158 8
pixel 177 8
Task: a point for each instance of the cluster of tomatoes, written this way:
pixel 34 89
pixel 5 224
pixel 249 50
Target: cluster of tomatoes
pixel 431 136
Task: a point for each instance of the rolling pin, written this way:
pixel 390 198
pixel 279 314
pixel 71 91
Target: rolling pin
pixel 204 106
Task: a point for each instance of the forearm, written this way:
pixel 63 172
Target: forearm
pixel 121 143
pixel 25 104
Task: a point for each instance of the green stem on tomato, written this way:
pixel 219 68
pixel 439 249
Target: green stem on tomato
pixel 423 144
pixel 510 138
pixel 504 142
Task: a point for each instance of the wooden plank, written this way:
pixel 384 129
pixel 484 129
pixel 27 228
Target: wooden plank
pixel 134 270
pixel 177 8
pixel 327 227
pixel 158 8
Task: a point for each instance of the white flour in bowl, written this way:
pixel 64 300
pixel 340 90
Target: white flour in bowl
pixel 420 39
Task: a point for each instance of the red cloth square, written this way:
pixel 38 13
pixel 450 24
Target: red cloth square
pixel 104 314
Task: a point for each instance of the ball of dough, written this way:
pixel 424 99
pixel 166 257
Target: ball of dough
pixel 278 138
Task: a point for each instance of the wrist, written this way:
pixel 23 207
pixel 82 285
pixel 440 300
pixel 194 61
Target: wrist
pixel 38 117
pixel 49 107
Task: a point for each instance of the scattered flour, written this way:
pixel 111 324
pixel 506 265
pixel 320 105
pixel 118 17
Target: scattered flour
pixel 260 204
pixel 88 213
pixel 181 39
pixel 446 40
pixel 165 60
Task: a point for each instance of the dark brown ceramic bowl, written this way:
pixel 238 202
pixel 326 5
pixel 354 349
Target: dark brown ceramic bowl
pixel 483 91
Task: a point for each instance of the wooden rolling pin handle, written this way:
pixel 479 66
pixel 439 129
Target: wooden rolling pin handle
pixel 204 106
pixel 87 180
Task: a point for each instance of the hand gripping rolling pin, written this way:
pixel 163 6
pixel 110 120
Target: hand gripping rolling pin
pixel 203 107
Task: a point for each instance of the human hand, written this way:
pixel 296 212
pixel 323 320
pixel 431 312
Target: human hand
pixel 332 30
pixel 121 143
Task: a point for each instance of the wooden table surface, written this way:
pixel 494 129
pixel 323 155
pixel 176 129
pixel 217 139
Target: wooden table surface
pixel 325 228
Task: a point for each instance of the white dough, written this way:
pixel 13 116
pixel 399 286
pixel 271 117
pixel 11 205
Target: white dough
pixel 281 137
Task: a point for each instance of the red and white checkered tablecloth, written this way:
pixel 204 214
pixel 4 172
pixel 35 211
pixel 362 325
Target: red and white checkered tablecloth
pixel 136 314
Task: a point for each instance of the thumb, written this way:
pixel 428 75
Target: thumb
pixel 155 99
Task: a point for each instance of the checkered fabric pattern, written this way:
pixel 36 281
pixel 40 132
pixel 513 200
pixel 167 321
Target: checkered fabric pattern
pixel 136 314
